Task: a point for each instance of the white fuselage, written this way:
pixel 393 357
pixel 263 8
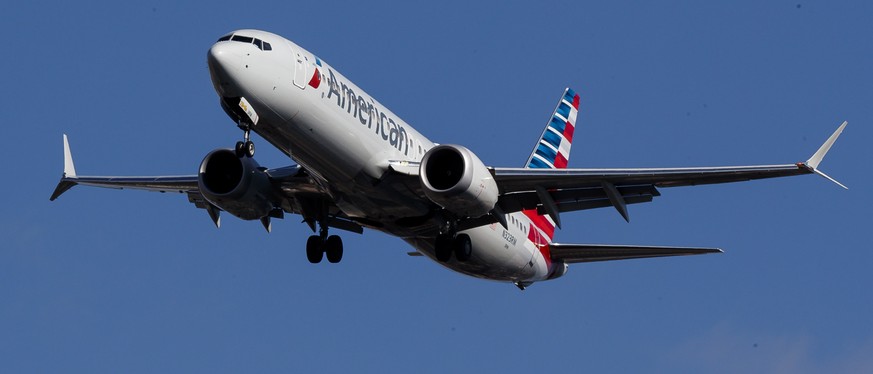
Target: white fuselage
pixel 347 141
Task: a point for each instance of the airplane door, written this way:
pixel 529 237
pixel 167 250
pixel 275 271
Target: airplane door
pixel 299 69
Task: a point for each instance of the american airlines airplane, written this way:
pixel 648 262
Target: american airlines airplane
pixel 360 166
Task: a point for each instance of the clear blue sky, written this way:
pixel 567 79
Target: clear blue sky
pixel 126 281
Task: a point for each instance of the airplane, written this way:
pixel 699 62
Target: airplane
pixel 360 166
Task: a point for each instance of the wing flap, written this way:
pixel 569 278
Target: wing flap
pixel 573 199
pixel 575 253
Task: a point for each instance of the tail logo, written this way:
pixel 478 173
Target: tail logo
pixel 553 149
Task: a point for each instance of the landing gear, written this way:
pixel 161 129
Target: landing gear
pixel 314 250
pixel 245 148
pixel 443 247
pixel 333 246
pixel 319 245
pixel 460 245
pixel 463 247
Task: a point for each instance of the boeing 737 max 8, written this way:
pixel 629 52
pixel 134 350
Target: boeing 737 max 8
pixel 360 166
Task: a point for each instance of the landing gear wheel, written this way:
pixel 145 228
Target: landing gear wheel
pixel 443 247
pixel 463 247
pixel 239 149
pixel 314 249
pixel 333 246
pixel 249 148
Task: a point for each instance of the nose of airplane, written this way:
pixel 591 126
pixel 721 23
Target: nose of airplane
pixel 224 61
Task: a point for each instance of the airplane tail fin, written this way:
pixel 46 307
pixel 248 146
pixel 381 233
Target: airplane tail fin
pixel 552 151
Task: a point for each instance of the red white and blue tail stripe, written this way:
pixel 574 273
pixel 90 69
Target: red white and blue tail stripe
pixel 553 149
pixel 553 152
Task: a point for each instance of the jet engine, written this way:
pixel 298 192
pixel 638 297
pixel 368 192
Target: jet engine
pixel 237 185
pixel 455 179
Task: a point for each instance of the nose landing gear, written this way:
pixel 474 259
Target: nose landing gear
pixel 245 148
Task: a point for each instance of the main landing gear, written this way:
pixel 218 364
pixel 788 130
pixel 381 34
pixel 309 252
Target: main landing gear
pixel 319 245
pixel 245 148
pixel 446 245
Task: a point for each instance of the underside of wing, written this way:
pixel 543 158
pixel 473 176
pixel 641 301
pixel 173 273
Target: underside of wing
pixel 180 183
pixel 580 189
pixel 287 189
pixel 516 179
pixel 553 191
pixel 573 253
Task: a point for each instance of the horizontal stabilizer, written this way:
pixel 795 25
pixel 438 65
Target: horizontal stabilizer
pixel 572 253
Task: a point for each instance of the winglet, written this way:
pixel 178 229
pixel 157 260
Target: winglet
pixel 815 160
pixel 69 168
pixel 68 180
pixel 823 150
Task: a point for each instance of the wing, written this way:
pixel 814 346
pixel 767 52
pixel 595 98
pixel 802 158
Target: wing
pixel 179 183
pixel 572 253
pixel 298 192
pixel 552 191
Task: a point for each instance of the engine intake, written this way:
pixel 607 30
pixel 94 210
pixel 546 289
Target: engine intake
pixel 237 185
pixel 455 179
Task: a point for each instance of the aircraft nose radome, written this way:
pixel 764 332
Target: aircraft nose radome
pixel 224 58
pixel 224 62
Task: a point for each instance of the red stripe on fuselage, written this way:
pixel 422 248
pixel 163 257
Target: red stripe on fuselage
pixel 540 222
pixel 547 255
pixel 541 244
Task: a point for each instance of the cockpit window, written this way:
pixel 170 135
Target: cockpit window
pixel 240 38
pixel 262 45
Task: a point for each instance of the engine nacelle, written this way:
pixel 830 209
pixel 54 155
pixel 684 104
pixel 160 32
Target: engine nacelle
pixel 237 185
pixel 455 179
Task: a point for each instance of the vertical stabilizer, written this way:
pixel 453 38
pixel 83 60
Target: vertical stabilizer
pixel 552 151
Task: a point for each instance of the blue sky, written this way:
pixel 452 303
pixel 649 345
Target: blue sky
pixel 125 281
